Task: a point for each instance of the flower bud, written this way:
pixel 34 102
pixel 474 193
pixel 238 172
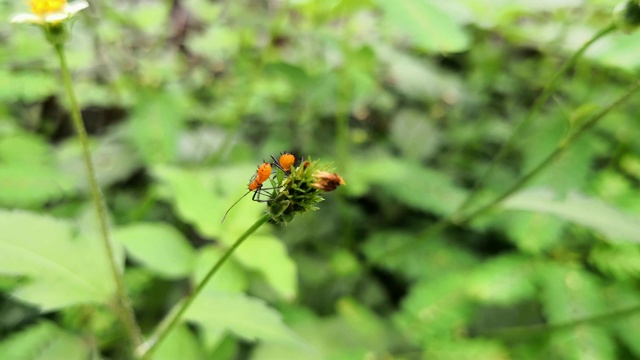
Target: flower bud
pixel 626 15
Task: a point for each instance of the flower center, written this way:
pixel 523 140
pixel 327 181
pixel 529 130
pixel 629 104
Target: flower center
pixel 44 7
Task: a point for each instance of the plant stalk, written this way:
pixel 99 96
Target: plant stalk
pixel 540 101
pixel 124 308
pixel 166 326
pixel 553 155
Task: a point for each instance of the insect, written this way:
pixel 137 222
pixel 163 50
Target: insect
pixel 285 162
pixel 255 184
pixel 262 175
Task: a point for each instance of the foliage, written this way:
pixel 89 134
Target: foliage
pixel 410 100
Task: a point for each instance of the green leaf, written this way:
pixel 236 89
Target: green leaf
pixel 435 309
pixel 418 187
pixel 406 253
pixel 155 125
pixel 44 341
pixel 570 294
pixel 61 269
pixel 25 185
pixel 415 135
pixel 617 51
pixel 268 256
pixel 503 280
pixel 230 278
pixel 623 297
pixel 577 208
pixel 429 27
pixel 531 232
pixel 24 148
pixel 467 349
pixel 114 160
pixel 159 247
pixel 246 317
pixel 28 86
pixel 620 260
pixel 181 343
pixel 196 196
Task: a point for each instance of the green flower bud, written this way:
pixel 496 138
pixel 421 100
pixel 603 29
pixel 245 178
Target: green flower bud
pixel 626 15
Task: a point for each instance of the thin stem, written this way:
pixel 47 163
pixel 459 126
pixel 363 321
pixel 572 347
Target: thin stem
pixel 123 308
pixel 553 156
pixel 523 332
pixel 166 325
pixel 446 222
pixel 535 109
pixel 455 217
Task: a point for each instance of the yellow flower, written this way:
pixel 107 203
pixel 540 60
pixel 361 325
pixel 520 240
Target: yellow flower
pixel 49 11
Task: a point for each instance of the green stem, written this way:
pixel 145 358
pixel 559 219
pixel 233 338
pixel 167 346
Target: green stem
pixel 553 156
pixel 453 220
pixel 166 326
pixel 535 109
pixel 123 308
pixel 523 332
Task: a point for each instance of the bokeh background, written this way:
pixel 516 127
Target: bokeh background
pixel 408 99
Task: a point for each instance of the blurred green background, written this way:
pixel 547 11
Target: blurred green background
pixel 409 99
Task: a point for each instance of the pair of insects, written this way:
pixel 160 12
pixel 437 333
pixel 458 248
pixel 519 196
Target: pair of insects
pixel 263 174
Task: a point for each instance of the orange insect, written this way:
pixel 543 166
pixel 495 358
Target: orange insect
pixel 285 162
pixel 263 173
pixel 255 184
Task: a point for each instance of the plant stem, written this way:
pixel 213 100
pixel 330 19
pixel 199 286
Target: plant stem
pixel 524 332
pixel 123 308
pixel 564 144
pixel 452 220
pixel 167 325
pixel 535 109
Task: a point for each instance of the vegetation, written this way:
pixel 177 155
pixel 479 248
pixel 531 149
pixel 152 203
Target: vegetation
pixel 488 152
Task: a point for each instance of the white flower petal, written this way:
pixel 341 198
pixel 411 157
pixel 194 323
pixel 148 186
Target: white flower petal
pixel 76 6
pixel 27 18
pixel 55 17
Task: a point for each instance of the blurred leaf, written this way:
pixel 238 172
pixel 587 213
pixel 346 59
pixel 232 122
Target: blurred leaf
pixel 25 185
pixel 616 51
pixel 503 280
pixel 624 297
pixel 268 256
pixel 197 195
pixel 150 17
pixel 435 309
pixel 415 134
pixel 570 294
pixel 192 193
pixel 542 140
pixel 418 79
pixel 417 187
pixel 428 26
pixel 577 208
pixel 246 317
pixel 159 247
pixel 61 269
pixel 44 341
pixel 27 86
pixel 113 159
pixel 217 42
pixel 531 232
pixel 468 349
pixel 155 123
pixel 619 260
pixel 181 343
pixel 365 324
pixel 229 278
pixel 405 254
pixel 24 148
